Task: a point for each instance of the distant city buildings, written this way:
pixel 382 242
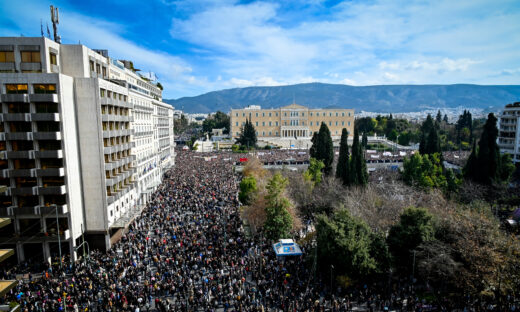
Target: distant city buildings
pixel 509 131
pixel 84 140
pixel 291 121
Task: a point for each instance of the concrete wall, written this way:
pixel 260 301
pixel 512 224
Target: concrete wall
pixel 71 153
pixel 91 147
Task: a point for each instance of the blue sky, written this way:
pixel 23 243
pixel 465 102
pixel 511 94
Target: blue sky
pixel 197 46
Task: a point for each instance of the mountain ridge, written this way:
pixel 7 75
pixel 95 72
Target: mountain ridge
pixel 378 98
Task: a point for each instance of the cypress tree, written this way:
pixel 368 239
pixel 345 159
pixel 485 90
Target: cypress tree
pixel 314 140
pixel 438 119
pixel 471 167
pixel 358 167
pixel 426 128
pixel 364 140
pixel 342 168
pixel 324 148
pixel 433 144
pixel 248 135
pixel 488 152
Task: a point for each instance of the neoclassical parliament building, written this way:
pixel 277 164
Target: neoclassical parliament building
pixel 292 121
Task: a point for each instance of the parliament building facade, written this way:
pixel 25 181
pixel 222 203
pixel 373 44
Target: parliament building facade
pixel 292 121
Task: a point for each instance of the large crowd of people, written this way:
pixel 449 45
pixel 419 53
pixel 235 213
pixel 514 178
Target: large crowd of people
pixel 188 252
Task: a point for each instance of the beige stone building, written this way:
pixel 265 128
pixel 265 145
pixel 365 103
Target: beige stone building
pixel 292 121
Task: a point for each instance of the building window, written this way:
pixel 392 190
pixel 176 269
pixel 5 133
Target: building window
pixel 343 114
pixel 102 92
pixel 104 71
pixel 263 114
pixel 303 123
pixel 330 123
pixel 256 123
pixel 263 123
pixel 236 114
pixel 311 113
pixel 263 133
pixel 303 114
pixel 238 133
pixel 285 114
pixel 243 114
pixel 269 133
pixel 256 114
pixel 330 114
pixel 16 88
pixel 44 88
pixel 318 114
pixel 270 124
pixel 349 114
pixel 336 124
pixel 336 114
pixel 342 123
pixel 30 57
pixel 53 59
pixel 91 66
pixel 349 123
pixel 276 122
pixel 311 123
pixel 276 132
pixel 6 57
pixel 269 114
pixel 237 124
pixel 277 114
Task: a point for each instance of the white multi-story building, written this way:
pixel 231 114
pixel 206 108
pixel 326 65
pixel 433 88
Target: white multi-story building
pixel 509 131
pixel 77 129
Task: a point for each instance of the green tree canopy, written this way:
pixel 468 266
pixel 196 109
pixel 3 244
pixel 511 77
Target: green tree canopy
pixel 278 223
pixel 343 166
pixel 247 135
pixel 358 166
pixel 485 164
pixel 349 245
pixel 248 190
pixel 313 173
pixel 322 148
pixel 415 226
pixel 217 121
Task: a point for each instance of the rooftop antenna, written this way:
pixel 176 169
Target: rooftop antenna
pixel 55 18
pixel 41 26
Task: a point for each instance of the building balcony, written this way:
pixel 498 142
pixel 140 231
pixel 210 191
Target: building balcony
pixel 47 135
pixel 15 98
pixel 109 150
pixel 36 66
pixel 21 173
pixel 117 118
pixel 6 67
pixel 49 154
pixel 107 101
pixel 45 116
pixel 50 172
pixel 25 136
pixel 23 191
pixel 47 98
pixel 19 154
pixel 32 211
pixel 4 173
pixel 16 117
pixel 52 190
